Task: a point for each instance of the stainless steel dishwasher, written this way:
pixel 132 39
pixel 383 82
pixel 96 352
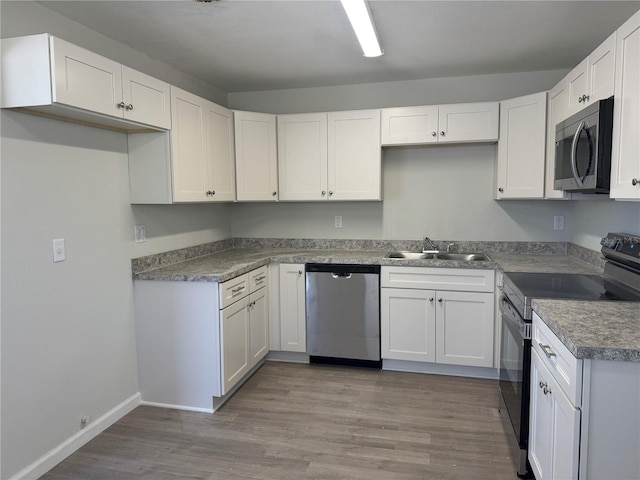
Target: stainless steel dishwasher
pixel 343 314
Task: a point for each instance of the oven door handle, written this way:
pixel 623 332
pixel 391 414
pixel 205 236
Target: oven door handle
pixel 507 311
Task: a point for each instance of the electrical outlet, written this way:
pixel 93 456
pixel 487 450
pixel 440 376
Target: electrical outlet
pixel 338 221
pixel 59 254
pixel 140 232
pixel 558 222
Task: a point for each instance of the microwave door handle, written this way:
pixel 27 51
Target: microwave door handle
pixel 574 156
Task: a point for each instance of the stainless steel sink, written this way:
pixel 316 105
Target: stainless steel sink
pixel 410 255
pixel 462 257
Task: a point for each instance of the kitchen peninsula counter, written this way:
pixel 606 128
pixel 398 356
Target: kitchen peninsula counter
pixel 594 330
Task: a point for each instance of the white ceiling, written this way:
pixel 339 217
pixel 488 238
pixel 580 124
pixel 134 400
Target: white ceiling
pixel 243 45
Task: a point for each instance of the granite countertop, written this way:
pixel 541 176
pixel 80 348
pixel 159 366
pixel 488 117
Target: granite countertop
pixel 533 263
pixel 594 330
pixel 222 266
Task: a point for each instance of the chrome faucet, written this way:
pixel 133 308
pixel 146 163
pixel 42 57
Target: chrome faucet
pixel 450 247
pixel 429 246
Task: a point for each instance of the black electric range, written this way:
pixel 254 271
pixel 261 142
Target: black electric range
pixel 620 282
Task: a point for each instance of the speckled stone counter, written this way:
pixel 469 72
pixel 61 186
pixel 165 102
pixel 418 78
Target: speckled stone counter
pixel 544 264
pixel 594 330
pixel 222 266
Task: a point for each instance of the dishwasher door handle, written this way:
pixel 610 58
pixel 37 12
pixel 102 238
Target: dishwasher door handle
pixel 341 275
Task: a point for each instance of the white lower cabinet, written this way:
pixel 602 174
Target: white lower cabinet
pixel 555 426
pixel 584 417
pixel 198 340
pixel 451 324
pixel 293 331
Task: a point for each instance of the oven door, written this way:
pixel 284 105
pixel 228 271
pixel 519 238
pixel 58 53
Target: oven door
pixel 515 362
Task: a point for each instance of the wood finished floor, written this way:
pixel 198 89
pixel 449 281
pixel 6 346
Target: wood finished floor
pixel 292 421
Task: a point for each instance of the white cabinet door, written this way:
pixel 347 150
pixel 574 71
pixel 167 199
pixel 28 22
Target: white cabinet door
pixel 464 328
pixel 302 156
pixel 468 122
pixel 557 110
pixel 259 325
pixel 83 79
pixel 464 122
pixel 147 100
pixel 625 155
pixel 554 430
pixel 354 155
pixel 521 149
pixel 409 125
pixel 293 332
pixel 256 156
pixel 408 325
pixel 593 78
pixel 189 152
pixel 234 343
pixel 220 159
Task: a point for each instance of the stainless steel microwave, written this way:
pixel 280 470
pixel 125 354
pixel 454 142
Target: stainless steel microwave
pixel 583 150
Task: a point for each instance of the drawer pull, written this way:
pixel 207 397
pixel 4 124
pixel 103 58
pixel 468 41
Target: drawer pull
pixel 547 350
pixel 545 388
pixel 259 279
pixel 237 290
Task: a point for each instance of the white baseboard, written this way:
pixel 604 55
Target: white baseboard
pixel 177 407
pixel 54 456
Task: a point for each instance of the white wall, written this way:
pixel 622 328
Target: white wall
pixel 478 88
pixel 591 220
pixel 68 344
pixel 442 192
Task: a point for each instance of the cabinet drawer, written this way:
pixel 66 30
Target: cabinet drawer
pixel 565 368
pixel 459 279
pixel 233 290
pixel 258 278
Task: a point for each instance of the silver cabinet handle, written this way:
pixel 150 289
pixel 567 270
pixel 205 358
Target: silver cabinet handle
pixel 330 192
pixel 547 350
pixel 545 388
pixel 323 192
pixel 431 299
pixel 274 193
pixel 299 272
pixel 635 182
pixel 442 134
pixel 259 279
pixel 121 105
pixel 433 134
pixel 440 300
pixel 501 190
pixel 580 100
pixel 129 107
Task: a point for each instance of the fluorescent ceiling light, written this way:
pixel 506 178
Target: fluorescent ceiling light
pixel 362 24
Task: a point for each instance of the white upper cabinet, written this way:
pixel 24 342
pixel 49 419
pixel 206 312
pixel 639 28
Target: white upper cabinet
pixel 625 155
pixel 188 148
pixel 333 156
pixel 302 156
pixel 256 156
pixel 593 78
pixel 557 108
pixel 354 169
pixel 521 149
pixel 221 163
pixel 47 74
pixel 465 122
pixel 194 162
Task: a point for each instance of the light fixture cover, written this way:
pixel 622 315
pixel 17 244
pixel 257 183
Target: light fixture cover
pixel 362 25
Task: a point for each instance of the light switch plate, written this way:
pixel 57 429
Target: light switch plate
pixel 59 254
pixel 338 221
pixel 558 222
pixel 140 232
